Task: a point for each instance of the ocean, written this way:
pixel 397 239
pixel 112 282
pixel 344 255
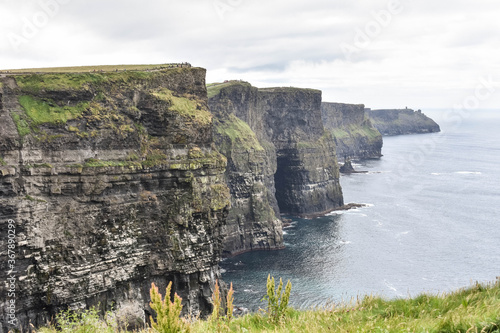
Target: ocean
pixel 431 224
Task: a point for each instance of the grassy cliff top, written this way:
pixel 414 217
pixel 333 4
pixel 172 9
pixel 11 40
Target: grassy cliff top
pixel 475 309
pixel 215 88
pixel 103 68
pixel 289 89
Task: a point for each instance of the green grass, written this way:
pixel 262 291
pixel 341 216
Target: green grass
pixel 188 108
pixel 85 69
pixel 239 134
pixel 23 128
pixel 30 198
pixel 475 309
pixel 2 162
pixel 214 89
pixel 37 83
pixel 96 163
pixel 47 111
pixel 356 131
pixel 289 89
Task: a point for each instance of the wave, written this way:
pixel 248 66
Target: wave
pixel 345 242
pixel 469 173
pixel 354 212
pixel 390 286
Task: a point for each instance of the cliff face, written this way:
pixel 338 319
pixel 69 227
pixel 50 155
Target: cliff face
pixel 307 176
pixel 253 221
pixel 353 132
pixel 402 121
pixel 284 150
pixel 113 182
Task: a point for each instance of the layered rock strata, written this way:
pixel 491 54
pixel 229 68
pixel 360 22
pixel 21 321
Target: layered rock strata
pixel 354 134
pixel 278 155
pixel 253 222
pixel 111 181
pixel 307 176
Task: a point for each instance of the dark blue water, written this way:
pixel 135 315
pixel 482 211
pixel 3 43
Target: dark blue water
pixel 432 225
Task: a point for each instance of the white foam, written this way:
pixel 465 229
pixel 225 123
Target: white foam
pixel 345 242
pixel 335 212
pixel 402 234
pixel 469 172
pixel 436 174
pixel 357 214
pixel 390 286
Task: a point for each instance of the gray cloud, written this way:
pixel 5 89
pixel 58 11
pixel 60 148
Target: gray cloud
pixel 429 54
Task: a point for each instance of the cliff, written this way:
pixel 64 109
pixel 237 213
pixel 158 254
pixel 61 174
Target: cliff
pixel 253 222
pixel 402 121
pixel 113 182
pixel 354 134
pixel 307 175
pixel 279 155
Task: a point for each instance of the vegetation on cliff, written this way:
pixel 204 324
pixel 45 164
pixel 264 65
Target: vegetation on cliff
pixel 353 132
pixel 474 309
pixel 214 89
pixel 238 134
pixel 122 167
pixel 402 121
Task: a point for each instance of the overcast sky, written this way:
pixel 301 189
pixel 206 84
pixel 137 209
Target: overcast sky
pixel 382 53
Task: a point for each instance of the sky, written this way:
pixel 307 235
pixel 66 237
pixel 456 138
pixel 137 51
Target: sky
pixel 382 53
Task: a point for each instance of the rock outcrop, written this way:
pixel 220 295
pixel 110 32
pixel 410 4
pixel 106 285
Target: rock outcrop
pixel 307 176
pixel 354 134
pixel 402 121
pixel 112 182
pixel 253 222
pixel 278 155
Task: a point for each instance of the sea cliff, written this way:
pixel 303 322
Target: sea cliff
pixel 112 181
pixel 281 162
pixel 254 221
pixel 354 134
pixel 402 121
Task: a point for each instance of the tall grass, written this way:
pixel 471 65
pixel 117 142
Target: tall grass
pixel 474 309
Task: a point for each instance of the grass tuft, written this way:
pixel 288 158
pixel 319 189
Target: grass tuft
pixel 475 309
pixel 185 106
pixel 48 112
pixel 239 134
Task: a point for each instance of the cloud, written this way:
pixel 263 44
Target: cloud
pixel 429 53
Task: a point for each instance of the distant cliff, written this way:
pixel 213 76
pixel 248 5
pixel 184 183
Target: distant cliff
pixel 280 158
pixel 112 182
pixel 402 121
pixel 353 132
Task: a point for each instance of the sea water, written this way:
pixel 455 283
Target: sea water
pixel 431 224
